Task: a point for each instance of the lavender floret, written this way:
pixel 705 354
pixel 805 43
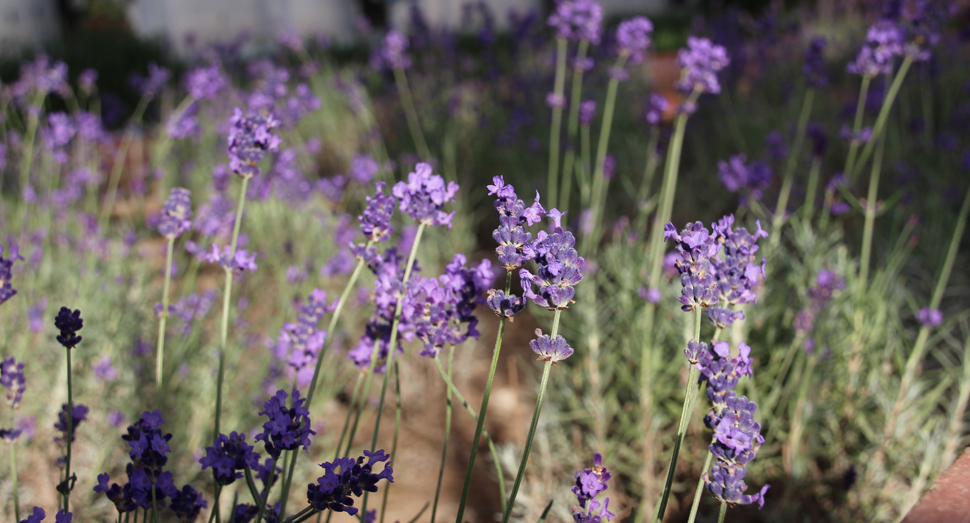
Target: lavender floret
pixel 424 194
pixel 814 68
pixel 288 428
pixel 559 267
pixel 6 274
pixel 68 322
pixel 12 378
pixel 249 140
pixel 393 52
pixel 929 317
pixel 176 213
pixel 228 456
pixel 549 348
pixel 590 483
pixel 577 20
pixel 333 490
pixel 633 38
pixel 700 63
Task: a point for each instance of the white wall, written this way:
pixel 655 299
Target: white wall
pixel 210 21
pixel 447 13
pixel 27 22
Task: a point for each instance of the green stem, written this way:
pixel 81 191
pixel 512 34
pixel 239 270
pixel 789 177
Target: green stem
pixel 488 439
pixel 556 128
pixel 397 430
pixel 600 184
pixel 160 351
pixel 287 481
pixel 779 217
pixel 532 432
pixel 856 127
pixel 214 515
pixel 573 125
pixel 410 114
pixel 350 411
pixel 13 476
pixel 333 325
pixel 69 436
pixel 809 206
pixel 682 427
pixel 720 516
pixel 649 170
pixel 870 216
pixel 488 391
pixel 444 447
pixel 392 343
pixel 797 421
pixel 33 120
pixel 918 350
pixel 254 492
pixel 698 492
pixel 363 396
pixel 884 112
pixel 227 293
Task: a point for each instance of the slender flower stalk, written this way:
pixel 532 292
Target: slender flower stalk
pixel 808 209
pixel 397 429
pixel 119 161
pixel 535 421
pixel 857 125
pixel 649 171
pixel 880 124
pixel 779 216
pixel 572 126
pixel 68 323
pixel 411 114
pixel 13 477
pixel 163 317
pixel 919 349
pixel 444 446
pixel 27 159
pixel 226 295
pixel 681 427
pixel 175 220
pixel 556 100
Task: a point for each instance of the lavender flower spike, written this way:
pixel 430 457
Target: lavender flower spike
pixel 633 38
pixel 393 52
pixel 249 140
pixel 700 63
pixel 578 20
pixel 6 264
pixel 589 483
pixel 12 378
pixel 559 267
pixel 424 194
pixel 176 213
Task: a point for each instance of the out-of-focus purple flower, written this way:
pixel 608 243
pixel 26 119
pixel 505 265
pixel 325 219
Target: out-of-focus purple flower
pixel 3 156
pixel 590 483
pixel 549 348
pixel 884 42
pixel 38 78
pixel 35 315
pixel 332 490
pixel 393 52
pixel 555 100
pixel 78 414
pixel 658 106
pixel 89 127
pixel 652 294
pixel 153 84
pixel 58 133
pixel 205 83
pixel 12 378
pixel 929 317
pixel 68 322
pixel 375 221
pixel 777 147
pixel 184 124
pixel 423 195
pixel 861 137
pixel 826 283
pixel 818 137
pixel 577 20
pixel 559 267
pixel 288 428
pixel 176 213
pixel 750 180
pixel 238 262
pixel 814 67
pixel 87 81
pixel 699 65
pixel 6 274
pixel 302 341
pixel 363 168
pixel 116 418
pixel 249 140
pixel 441 310
pixel 633 38
pixel 609 167
pixel 587 111
pixel 103 370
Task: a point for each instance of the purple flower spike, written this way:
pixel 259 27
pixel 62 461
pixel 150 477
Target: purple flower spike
pixel 550 349
pixel 826 283
pixel 559 267
pixel 229 455
pixel 69 323
pixel 241 261
pixel 6 274
pixel 187 504
pixel 700 63
pixel 205 83
pixel 176 213
pixel 511 235
pixel 884 42
pixel 658 106
pixel 697 248
pixel 12 378
pixel 814 67
pixel 424 194
pixel 929 317
pixel 393 52
pixel 587 111
pixel 153 84
pixel 375 222
pixel 578 20
pixel 589 484
pixel 633 38
pixel 333 490
pixel 288 428
pixel 749 180
pixel 505 305
pixel 726 483
pixel 79 414
pixel 37 516
pixel 249 140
